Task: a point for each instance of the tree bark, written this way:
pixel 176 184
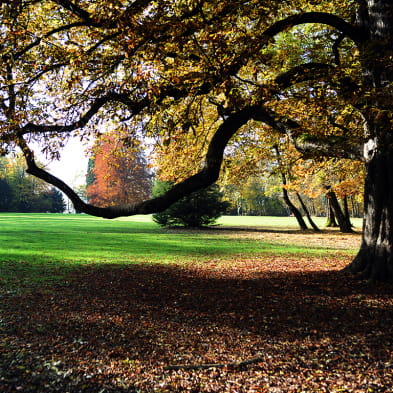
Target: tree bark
pixel 307 213
pixel 374 260
pixel 344 224
pixel 330 217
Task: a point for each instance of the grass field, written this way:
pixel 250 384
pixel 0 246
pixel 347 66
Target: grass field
pixel 252 305
pixel 39 248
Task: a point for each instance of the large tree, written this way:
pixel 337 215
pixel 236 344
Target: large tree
pixel 163 67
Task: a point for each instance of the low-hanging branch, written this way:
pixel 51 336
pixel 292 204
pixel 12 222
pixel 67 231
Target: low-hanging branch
pixel 135 106
pixel 207 176
pixel 204 178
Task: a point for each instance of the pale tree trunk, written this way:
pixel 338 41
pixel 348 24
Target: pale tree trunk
pixel 330 217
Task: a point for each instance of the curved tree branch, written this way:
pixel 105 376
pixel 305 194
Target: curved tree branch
pixel 302 73
pixel 355 33
pixel 134 106
pixel 76 10
pixel 37 41
pixel 207 176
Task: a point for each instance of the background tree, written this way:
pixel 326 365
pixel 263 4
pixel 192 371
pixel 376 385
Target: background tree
pixel 118 172
pixel 200 208
pixel 57 204
pixel 6 196
pixel 253 198
pixel 20 192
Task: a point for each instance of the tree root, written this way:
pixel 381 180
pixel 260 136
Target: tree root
pixel 234 365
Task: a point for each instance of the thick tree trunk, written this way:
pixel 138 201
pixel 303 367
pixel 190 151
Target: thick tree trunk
pixel 375 258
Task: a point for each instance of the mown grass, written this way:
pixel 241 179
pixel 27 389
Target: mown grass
pixel 37 249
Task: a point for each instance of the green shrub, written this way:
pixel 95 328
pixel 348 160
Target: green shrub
pixel 198 209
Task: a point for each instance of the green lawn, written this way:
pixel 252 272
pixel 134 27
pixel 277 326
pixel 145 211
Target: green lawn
pixel 37 248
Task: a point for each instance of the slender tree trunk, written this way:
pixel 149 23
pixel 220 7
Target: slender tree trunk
pixel 355 208
pixel 293 209
pixel 307 213
pixel 344 224
pixel 346 208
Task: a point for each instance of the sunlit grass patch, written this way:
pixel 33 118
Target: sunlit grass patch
pixel 38 249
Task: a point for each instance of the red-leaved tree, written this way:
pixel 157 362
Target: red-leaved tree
pixel 118 172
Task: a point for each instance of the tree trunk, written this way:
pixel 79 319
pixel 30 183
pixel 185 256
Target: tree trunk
pixel 375 258
pixel 346 210
pixel 330 217
pixel 344 224
pixel 294 210
pixel 307 213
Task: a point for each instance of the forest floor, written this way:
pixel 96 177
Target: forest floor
pixel 283 323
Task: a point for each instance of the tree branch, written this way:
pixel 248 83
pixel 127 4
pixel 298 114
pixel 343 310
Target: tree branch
pixel 335 49
pixel 135 106
pixel 302 73
pixel 75 9
pixel 18 54
pixel 234 365
pixel 330 146
pixel 357 34
pixel 207 176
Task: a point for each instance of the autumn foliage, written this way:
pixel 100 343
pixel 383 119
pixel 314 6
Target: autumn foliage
pixel 118 172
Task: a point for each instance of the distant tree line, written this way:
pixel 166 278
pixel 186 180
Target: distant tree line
pixel 20 192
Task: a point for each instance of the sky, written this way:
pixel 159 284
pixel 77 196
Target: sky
pixel 73 164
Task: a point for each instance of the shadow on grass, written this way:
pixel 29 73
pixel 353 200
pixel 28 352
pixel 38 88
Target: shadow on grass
pixel 114 328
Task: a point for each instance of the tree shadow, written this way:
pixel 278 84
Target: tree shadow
pixel 164 314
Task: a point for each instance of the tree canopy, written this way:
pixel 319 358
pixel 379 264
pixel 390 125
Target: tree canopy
pixel 319 73
pixel 202 68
